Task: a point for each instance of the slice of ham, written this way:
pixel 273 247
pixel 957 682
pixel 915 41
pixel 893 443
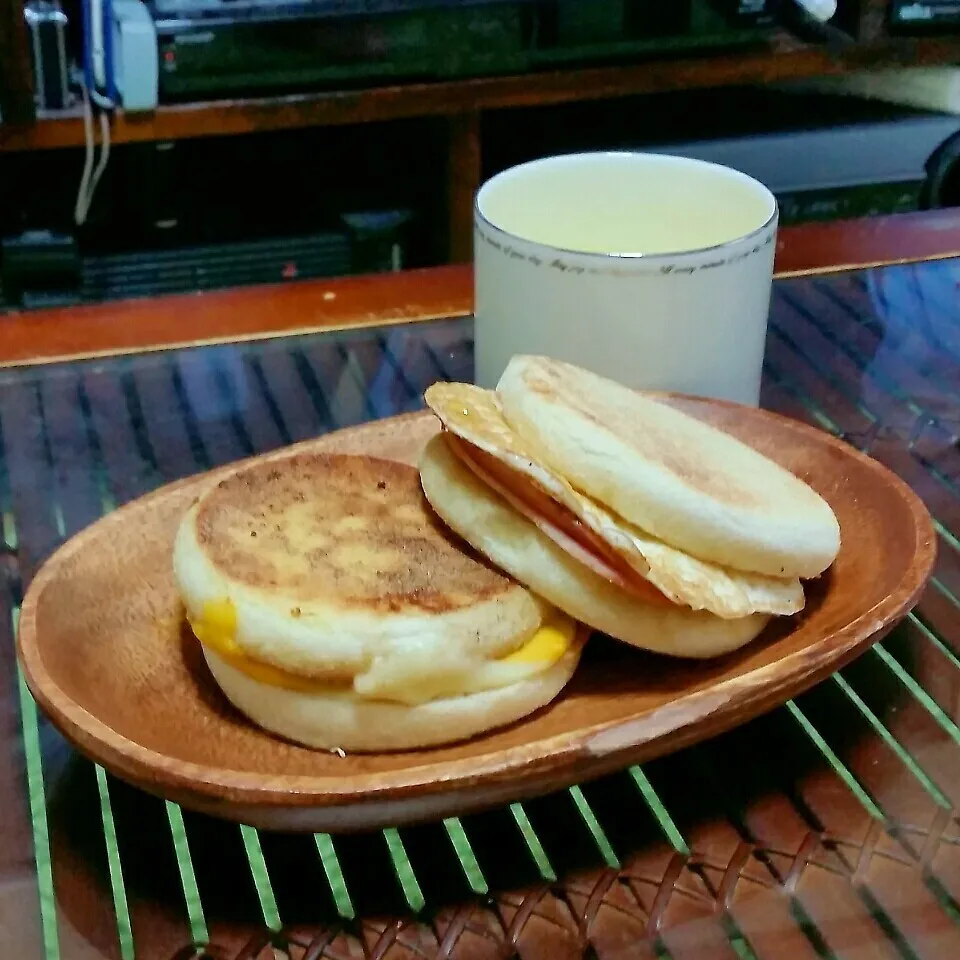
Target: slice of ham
pixel 554 520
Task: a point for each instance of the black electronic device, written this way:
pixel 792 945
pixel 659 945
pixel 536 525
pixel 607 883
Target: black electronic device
pixel 39 268
pixel 222 47
pixel 211 48
pixel 47 29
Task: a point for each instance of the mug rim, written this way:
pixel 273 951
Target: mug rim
pixel 633 155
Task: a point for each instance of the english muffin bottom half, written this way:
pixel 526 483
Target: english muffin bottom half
pixel 336 610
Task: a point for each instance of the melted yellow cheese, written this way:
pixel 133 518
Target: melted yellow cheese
pixel 548 644
pixel 216 627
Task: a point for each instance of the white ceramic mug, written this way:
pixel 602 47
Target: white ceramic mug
pixel 649 269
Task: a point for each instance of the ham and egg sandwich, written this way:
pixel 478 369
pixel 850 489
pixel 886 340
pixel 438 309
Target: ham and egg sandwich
pixel 621 511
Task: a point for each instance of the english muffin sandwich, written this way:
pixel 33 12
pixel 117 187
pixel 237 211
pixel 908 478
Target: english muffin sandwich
pixel 334 609
pixel 623 512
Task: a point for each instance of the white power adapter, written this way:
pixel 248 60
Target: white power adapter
pixel 135 55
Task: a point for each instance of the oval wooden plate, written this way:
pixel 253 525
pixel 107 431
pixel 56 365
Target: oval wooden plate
pixel 106 655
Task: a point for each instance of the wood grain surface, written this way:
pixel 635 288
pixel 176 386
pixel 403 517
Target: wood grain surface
pixel 131 326
pixel 781 58
pixel 101 634
pixel 247 313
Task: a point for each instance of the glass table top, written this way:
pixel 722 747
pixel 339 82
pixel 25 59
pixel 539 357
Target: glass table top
pixel 827 828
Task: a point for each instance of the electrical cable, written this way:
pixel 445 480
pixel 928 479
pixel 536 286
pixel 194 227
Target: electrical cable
pixel 92 172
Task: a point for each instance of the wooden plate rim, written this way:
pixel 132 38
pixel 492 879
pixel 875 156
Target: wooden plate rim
pixel 120 754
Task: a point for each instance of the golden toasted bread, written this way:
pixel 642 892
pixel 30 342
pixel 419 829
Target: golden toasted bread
pixel 336 566
pixel 673 477
pixel 352 532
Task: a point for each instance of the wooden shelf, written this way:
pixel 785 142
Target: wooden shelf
pixel 260 312
pixel 781 59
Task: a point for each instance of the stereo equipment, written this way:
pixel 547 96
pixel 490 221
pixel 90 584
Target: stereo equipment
pixel 210 48
pixel 222 47
pixel 861 169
